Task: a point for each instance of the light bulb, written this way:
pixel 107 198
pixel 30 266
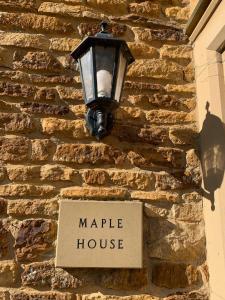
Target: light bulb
pixel 104 82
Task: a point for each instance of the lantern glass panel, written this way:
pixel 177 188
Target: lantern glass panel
pixel 120 76
pixel 86 66
pixel 105 61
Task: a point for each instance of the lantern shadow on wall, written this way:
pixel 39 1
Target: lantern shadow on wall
pixel 212 154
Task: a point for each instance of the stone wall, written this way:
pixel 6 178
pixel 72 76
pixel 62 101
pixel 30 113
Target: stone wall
pixel 47 154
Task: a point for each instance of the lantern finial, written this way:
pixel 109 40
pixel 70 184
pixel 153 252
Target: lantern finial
pixel 104 27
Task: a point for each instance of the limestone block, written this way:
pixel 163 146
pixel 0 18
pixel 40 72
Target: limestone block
pixel 145 8
pixel 169 117
pixel 13 122
pixel 17 90
pixel 38 61
pixel 172 276
pixel 23 173
pixel 181 53
pixel 34 22
pixel 92 154
pixel 21 190
pixel 156 68
pixel 75 128
pixel 156 196
pixel 24 40
pixel 57 173
pixel 42 208
pixel 63 44
pixel 14 149
pixel 178 13
pixel 161 35
pixel 44 108
pixel 93 192
pixel 44 274
pixel 41 149
pixel 34 238
pixel 8 272
pixel 95 176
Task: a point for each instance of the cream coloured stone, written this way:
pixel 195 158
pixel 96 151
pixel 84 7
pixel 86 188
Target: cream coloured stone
pixel 156 68
pixel 156 196
pixel 178 13
pixel 25 40
pixel 181 53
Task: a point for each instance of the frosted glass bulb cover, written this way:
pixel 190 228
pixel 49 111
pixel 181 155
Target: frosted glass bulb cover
pixel 104 83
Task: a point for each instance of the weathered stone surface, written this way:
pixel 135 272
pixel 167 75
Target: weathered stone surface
pixel 180 135
pixel 178 13
pixel 92 28
pixel 145 157
pixel 134 180
pixel 145 8
pixel 158 209
pixel 166 181
pixel 124 279
pixel 143 86
pixel 130 114
pixel 61 9
pixel 46 94
pixel 23 173
pixel 13 122
pixel 188 212
pixel 16 90
pixel 18 4
pixel 63 44
pixel 37 78
pixel 92 154
pixel 140 49
pixel 39 61
pixel 185 88
pixel 94 192
pixel 4 237
pixel 162 101
pixel 25 40
pixel 20 190
pixel 156 196
pixel 112 6
pixel 168 117
pixel 8 273
pixel 193 172
pixel 2 173
pixel 69 93
pixel 5 57
pixel 181 241
pixel 34 238
pixel 156 68
pixel 44 274
pixel 34 22
pixel 41 149
pixel 75 128
pixel 28 295
pixel 38 207
pixel 46 109
pixel 162 35
pixel 78 111
pixel 14 149
pixel 57 173
pixel 171 276
pixel 95 176
pixel 179 53
pixel 189 73
pixel 3 206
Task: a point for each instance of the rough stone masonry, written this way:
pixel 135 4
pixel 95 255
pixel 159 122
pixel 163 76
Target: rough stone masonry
pixel 47 154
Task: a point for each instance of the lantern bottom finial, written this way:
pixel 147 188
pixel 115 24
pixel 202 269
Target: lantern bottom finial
pixel 99 122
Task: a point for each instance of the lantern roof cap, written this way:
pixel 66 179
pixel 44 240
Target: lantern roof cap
pixel 105 40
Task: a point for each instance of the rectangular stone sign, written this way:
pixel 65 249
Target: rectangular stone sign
pixel 99 234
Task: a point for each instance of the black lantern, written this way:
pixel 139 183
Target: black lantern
pixel 103 62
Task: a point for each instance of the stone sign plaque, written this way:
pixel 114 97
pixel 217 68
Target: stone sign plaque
pixel 97 234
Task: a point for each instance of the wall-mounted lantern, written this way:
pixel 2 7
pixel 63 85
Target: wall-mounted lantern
pixel 103 62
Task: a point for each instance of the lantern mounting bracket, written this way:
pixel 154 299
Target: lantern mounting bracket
pixel 99 122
